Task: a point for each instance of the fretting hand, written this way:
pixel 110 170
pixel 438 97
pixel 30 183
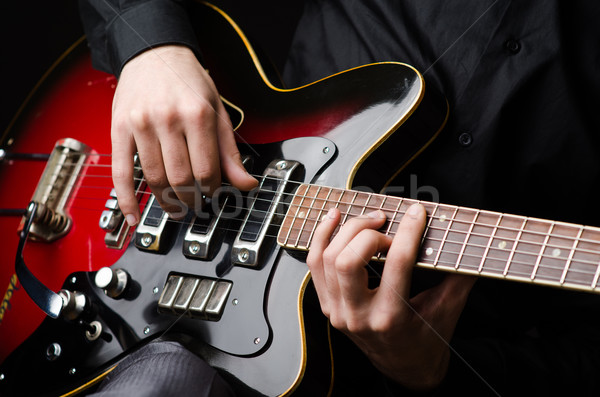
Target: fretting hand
pixel 405 337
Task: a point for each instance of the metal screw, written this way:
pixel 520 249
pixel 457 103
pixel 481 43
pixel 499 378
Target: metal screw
pixel 53 351
pixel 146 330
pixel 1 377
pixel 194 247
pixel 326 149
pixel 72 371
pixel 281 165
pixel 256 341
pixel 155 290
pixel 243 255
pixel 73 280
pixel 235 302
pixel 146 239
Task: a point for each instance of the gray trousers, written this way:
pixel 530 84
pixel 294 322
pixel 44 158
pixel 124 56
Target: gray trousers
pixel 163 368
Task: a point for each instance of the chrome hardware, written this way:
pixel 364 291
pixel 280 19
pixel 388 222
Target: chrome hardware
pixel 112 281
pixel 112 219
pixel 53 351
pixel 55 189
pixel 152 232
pixel 73 304
pixel 202 298
pixel 263 211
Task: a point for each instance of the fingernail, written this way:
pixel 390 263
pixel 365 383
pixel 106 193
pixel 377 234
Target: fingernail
pixel 331 213
pixel 414 210
pixel 131 219
pixel 376 214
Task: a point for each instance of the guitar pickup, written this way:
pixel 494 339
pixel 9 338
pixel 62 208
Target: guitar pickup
pixel 56 188
pixel 153 231
pixel 112 219
pixel 202 298
pixel 200 232
pixel 262 213
pixel 204 227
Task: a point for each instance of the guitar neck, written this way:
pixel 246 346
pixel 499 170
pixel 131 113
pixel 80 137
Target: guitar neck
pixel 463 240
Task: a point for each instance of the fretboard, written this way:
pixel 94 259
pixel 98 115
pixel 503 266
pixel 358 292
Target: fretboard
pixel 463 240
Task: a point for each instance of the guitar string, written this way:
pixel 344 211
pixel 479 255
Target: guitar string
pixel 396 212
pixel 466 255
pixel 544 247
pixel 404 300
pixel 437 205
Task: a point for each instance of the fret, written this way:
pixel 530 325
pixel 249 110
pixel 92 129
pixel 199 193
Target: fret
pixel 464 246
pixel 489 244
pixel 343 222
pixel 539 257
pixel 446 233
pixel 392 220
pixel 307 215
pixel 597 272
pixel 297 208
pixel 316 223
pixel 555 255
pixel 586 260
pixel 570 258
pixel 382 204
pixel 462 239
pixel 366 205
pixel 337 205
pixel 381 208
pixel 514 248
pixel 430 217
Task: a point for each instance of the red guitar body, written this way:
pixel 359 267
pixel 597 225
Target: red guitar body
pixel 335 129
pixel 75 102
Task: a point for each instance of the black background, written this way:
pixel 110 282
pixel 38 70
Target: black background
pixel 34 34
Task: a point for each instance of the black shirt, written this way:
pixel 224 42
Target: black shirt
pixel 521 78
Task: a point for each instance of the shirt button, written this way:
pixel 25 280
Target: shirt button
pixel 513 46
pixel 465 139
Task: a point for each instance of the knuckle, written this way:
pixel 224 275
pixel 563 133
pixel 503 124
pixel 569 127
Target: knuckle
pixel 119 125
pixel 206 176
pixel 181 179
pixel 383 325
pixel 356 326
pixel 329 256
pixel 193 110
pixel 344 263
pixel 155 179
pixel 338 322
pixel 138 119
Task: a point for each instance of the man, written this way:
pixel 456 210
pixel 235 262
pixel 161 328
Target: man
pixel 521 138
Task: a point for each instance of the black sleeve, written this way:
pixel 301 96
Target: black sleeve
pixel 118 30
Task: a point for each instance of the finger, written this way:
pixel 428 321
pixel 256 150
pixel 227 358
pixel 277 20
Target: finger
pixel 345 235
pixel 351 269
pixel 402 255
pixel 372 220
pixel 123 150
pixel 151 159
pixel 203 148
pixel 231 161
pixel 179 172
pixel 319 243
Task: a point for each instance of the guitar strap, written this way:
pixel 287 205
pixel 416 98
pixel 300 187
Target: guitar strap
pixel 50 302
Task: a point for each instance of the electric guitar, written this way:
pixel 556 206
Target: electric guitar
pixel 230 281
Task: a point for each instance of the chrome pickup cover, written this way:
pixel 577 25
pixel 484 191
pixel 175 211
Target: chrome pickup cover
pixel 262 212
